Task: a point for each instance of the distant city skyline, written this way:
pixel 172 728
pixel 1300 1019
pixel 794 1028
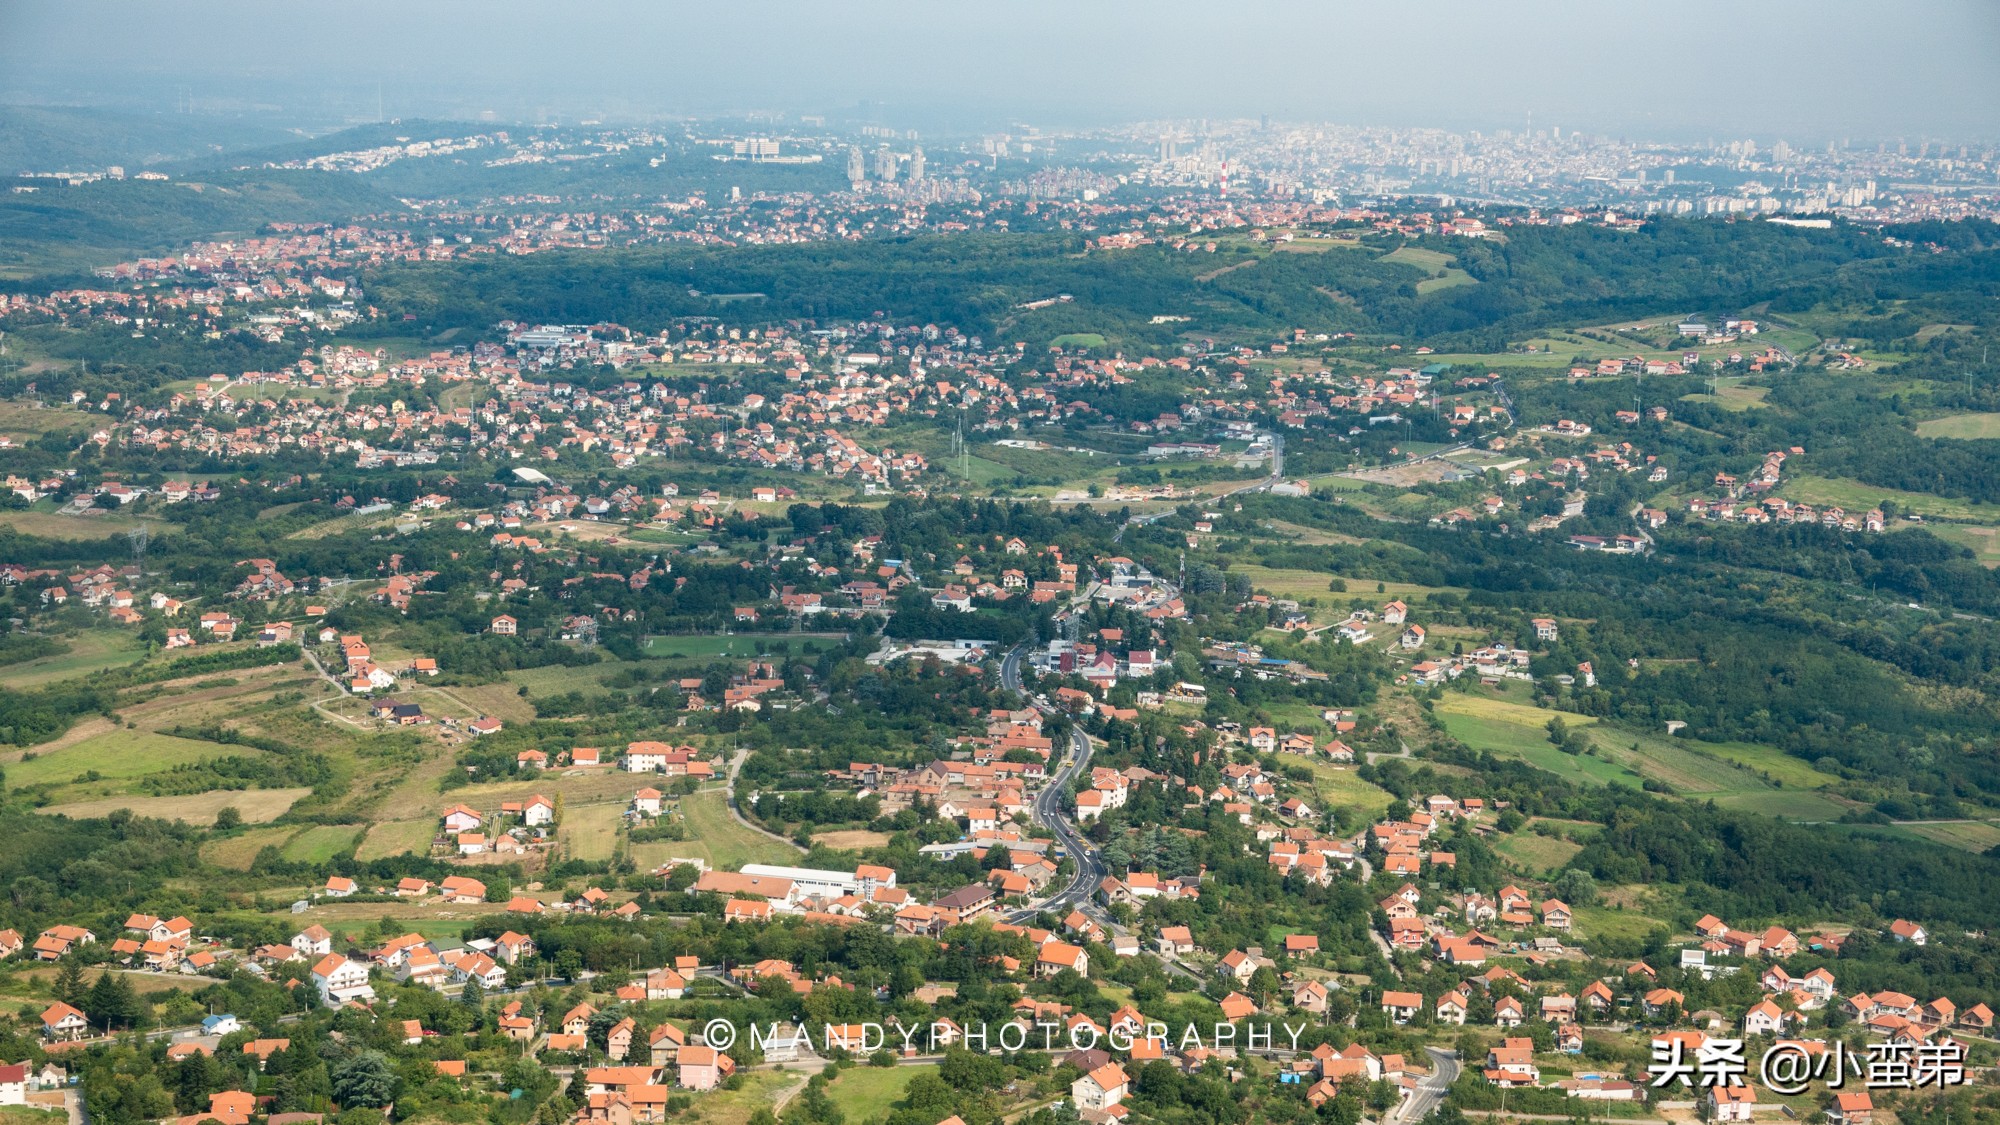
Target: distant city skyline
pixel 1808 72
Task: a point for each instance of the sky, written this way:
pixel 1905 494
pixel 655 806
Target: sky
pixel 1806 70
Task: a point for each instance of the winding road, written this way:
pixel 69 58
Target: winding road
pixel 1049 813
pixel 1424 1100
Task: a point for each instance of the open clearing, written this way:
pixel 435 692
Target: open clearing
pixel 238 852
pixel 1964 426
pixel 1731 774
pixel 1443 273
pixel 118 757
pixel 1536 855
pixel 321 842
pixel 397 837
pixel 1971 835
pixel 1604 921
pixel 91 651
pixel 1342 788
pixel 49 525
pixel 256 805
pixel 759 1090
pixel 1983 542
pixel 715 836
pixel 1731 393
pixel 591 832
pixel 865 1093
pixel 852 839
pixel 1857 496
pixel 556 678
pixel 1297 584
pixel 740 644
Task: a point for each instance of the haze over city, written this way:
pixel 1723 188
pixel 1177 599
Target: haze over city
pixel 1829 70
pixel 864 562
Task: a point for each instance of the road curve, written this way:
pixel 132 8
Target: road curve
pixel 1048 810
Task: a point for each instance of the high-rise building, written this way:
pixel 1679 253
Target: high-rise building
pixel 917 164
pixel 885 165
pixel 857 168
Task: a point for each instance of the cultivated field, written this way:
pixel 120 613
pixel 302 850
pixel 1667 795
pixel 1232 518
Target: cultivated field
pixel 49 525
pixel 1966 426
pixel 1341 787
pixel 256 805
pixel 91 651
pixel 109 763
pixel 321 842
pixel 1983 542
pixel 1292 582
pixel 1536 855
pixel 1444 275
pixel 591 831
pixel 715 836
pixel 239 851
pixel 1971 835
pixel 1731 774
pixel 1854 495
pixel 397 837
pixel 852 839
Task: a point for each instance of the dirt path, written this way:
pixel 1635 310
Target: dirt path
pixel 806 1069
pixel 83 731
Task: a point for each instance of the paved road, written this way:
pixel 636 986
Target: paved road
pixel 1277 471
pixel 1423 1100
pixel 1048 812
pixel 736 812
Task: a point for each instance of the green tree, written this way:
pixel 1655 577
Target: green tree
pixel 365 1079
pixel 69 987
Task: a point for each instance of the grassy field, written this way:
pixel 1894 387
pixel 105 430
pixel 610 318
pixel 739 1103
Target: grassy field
pixel 1443 273
pixel 1856 496
pixel 1731 393
pixel 118 758
pixel 852 839
pixel 1731 774
pixel 1971 835
pixel 1079 340
pixel 715 836
pixel 256 805
pixel 238 852
pixel 865 1093
pixel 556 678
pixel 591 831
pixel 416 797
pixel 91 651
pixel 500 701
pixel 321 842
pixel 396 837
pixel 1781 767
pixel 49 525
pixel 1341 787
pixel 1983 542
pixel 760 1088
pixel 1603 921
pixel 1515 731
pixel 1969 426
pixel 1536 855
pixel 1292 582
pixel 743 645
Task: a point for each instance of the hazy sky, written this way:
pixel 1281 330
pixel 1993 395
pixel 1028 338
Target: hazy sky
pixel 1804 69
